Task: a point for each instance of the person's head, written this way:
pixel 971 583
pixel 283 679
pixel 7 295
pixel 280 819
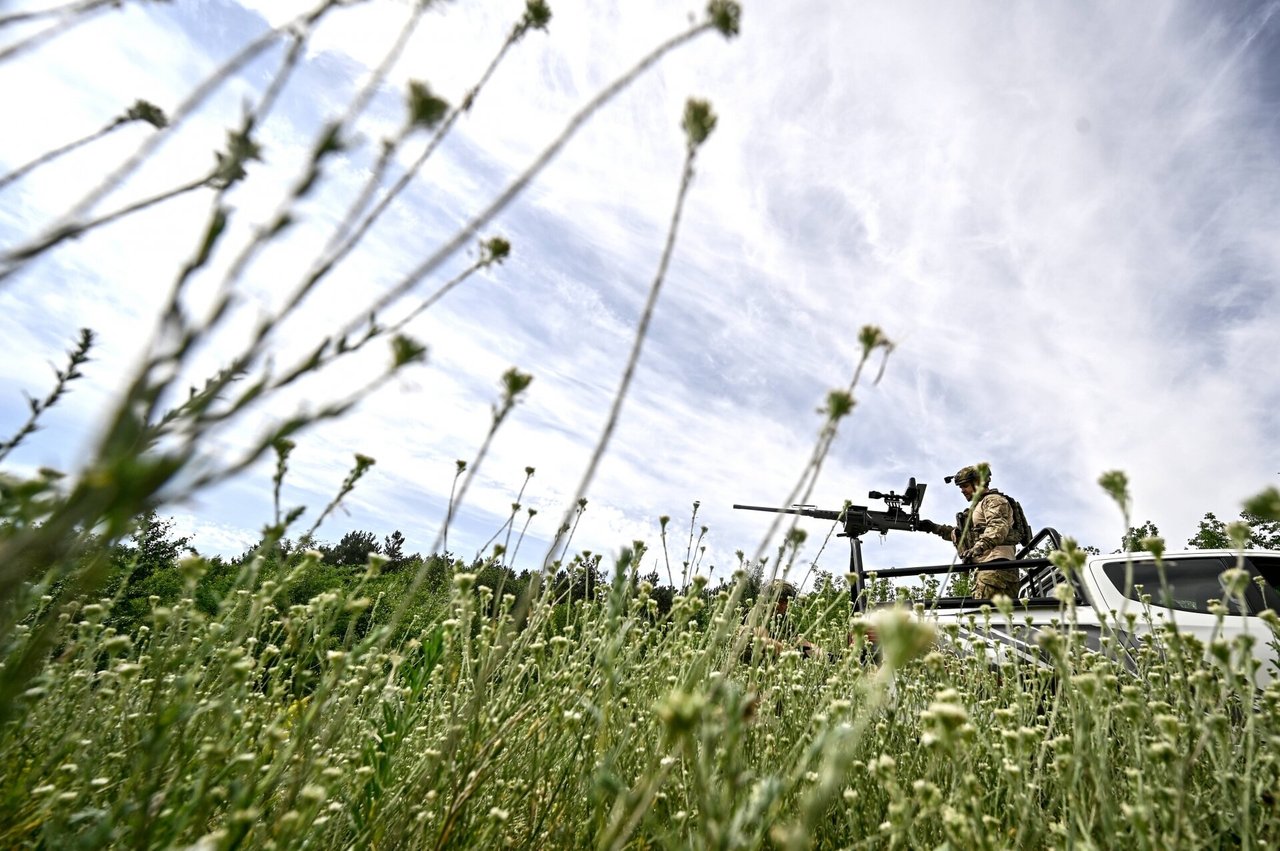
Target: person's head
pixel 968 479
pixel 785 592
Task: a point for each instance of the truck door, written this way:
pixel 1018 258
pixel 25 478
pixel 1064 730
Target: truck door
pixel 1184 592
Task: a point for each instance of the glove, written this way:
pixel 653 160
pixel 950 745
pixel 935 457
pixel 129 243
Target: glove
pixel 927 526
pixel 973 553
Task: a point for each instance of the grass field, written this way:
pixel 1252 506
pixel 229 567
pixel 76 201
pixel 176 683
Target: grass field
pixel 597 724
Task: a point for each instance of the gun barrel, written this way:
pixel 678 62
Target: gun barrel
pixel 818 513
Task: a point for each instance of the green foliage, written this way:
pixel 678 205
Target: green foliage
pixel 1264 534
pixel 145 567
pixel 393 549
pixel 1212 533
pixel 582 707
pixel 352 550
pixel 1132 540
pixel 962 584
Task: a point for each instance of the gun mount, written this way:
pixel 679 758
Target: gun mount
pixel 901 514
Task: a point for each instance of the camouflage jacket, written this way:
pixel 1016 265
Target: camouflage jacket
pixel 989 530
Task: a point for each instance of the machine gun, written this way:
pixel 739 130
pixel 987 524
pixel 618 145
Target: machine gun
pixel 902 514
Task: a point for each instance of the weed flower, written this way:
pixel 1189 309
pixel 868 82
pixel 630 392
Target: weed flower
pixel 1235 581
pixel 314 792
pixel 902 637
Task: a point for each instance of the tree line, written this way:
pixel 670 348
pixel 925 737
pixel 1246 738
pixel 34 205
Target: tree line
pixel 147 570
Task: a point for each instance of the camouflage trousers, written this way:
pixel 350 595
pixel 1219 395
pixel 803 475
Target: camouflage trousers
pixel 992 582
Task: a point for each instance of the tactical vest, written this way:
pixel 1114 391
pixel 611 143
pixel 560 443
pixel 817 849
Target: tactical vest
pixel 1019 529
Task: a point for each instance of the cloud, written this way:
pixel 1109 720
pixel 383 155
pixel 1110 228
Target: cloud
pixel 1063 217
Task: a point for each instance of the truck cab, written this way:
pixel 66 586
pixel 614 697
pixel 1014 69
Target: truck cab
pixel 1127 595
pixel 1186 589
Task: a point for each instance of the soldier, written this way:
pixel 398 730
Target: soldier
pixel 988 530
pixel 778 633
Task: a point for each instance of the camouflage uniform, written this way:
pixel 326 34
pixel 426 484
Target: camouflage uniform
pixel 777 633
pixel 984 533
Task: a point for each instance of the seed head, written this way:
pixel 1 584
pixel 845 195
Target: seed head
pixel 839 405
pixel 681 712
pixel 1235 581
pixel 698 121
pixel 494 250
pixel 725 16
pixel 406 350
pixel 514 383
pixel 901 636
pixel 425 109
pixel 143 110
pixel 1239 533
pixel 1116 484
pixel 537 14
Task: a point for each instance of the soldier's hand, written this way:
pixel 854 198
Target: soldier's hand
pixel 927 526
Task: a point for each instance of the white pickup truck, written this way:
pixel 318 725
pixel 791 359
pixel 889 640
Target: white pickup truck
pixel 1110 586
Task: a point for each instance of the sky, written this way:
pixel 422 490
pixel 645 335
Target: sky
pixel 1062 214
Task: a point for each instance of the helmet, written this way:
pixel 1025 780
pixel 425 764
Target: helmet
pixel 785 590
pixel 974 473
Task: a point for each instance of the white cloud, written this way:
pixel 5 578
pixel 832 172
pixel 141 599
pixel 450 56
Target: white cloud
pixel 1063 216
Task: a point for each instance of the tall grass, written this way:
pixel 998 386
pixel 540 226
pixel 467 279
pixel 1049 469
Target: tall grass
pixel 606 726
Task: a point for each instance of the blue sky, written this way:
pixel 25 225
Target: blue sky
pixel 1063 215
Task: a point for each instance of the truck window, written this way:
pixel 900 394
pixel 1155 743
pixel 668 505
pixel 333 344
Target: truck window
pixel 1192 582
pixel 1268 567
